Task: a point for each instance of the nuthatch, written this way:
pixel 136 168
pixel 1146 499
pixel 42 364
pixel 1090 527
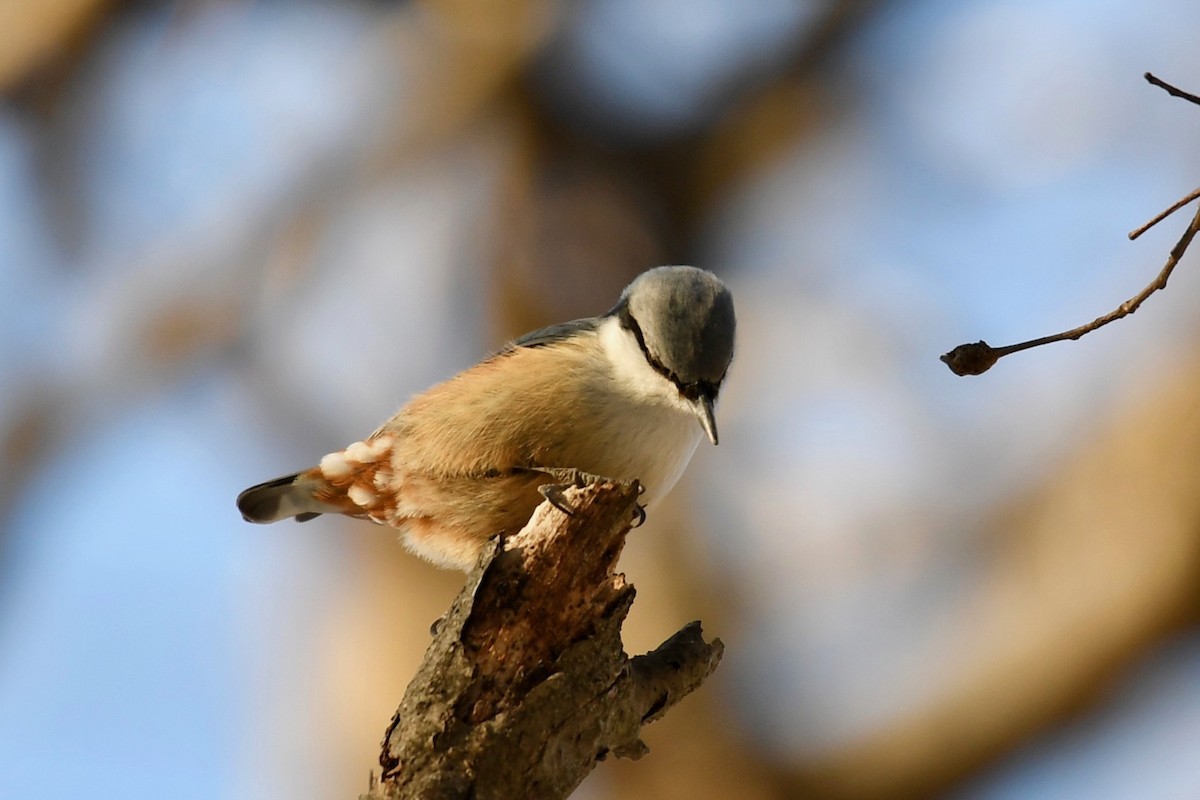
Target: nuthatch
pixel 610 397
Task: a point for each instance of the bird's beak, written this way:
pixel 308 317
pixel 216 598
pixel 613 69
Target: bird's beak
pixel 702 407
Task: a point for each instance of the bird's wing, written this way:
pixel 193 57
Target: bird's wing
pixel 553 333
pixel 510 411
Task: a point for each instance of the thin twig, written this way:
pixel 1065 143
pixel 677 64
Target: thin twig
pixel 1183 202
pixel 1172 90
pixel 978 357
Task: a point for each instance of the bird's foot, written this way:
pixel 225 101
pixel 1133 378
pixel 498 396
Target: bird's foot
pixel 574 478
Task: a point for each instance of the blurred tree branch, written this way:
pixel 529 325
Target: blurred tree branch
pixel 526 686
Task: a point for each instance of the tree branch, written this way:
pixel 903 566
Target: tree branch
pixel 976 358
pixel 1171 90
pixel 526 685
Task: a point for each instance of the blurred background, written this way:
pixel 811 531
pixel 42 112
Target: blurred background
pixel 236 234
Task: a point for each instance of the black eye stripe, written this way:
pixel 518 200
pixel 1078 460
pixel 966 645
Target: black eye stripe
pixel 691 391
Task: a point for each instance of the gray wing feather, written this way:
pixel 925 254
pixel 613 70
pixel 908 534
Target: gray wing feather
pixel 554 333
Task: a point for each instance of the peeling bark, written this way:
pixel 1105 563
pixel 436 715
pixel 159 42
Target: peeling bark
pixel 526 686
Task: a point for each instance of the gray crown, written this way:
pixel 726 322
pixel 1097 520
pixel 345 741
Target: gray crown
pixel 686 320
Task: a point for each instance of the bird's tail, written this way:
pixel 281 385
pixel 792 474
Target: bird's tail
pixel 290 496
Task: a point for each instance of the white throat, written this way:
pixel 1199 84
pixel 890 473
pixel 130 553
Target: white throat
pixel 658 428
pixel 633 371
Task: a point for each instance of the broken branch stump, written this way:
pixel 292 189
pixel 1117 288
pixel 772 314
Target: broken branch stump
pixel 526 685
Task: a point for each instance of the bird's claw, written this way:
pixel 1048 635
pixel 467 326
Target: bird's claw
pixel 554 494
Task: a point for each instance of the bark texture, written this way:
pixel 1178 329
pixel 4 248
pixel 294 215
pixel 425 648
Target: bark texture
pixel 526 686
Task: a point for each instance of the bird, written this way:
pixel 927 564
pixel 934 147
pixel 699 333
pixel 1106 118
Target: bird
pixel 624 396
